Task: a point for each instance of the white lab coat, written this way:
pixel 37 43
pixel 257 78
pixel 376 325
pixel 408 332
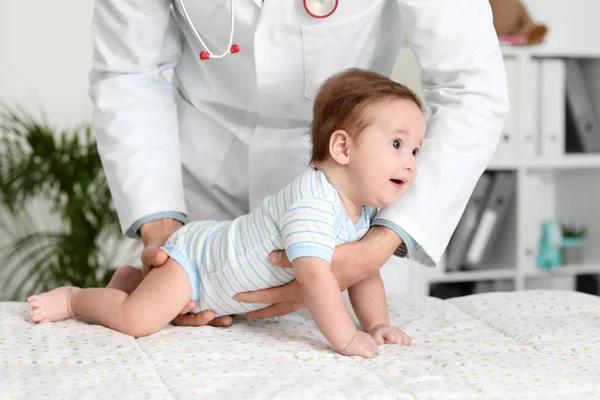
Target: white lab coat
pixel 239 125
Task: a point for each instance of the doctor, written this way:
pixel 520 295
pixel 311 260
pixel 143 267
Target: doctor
pixel 232 126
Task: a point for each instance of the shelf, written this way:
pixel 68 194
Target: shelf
pixel 502 166
pixel 470 276
pixel 502 274
pixel 566 270
pixel 569 161
pixel 550 183
pixel 544 52
pixel 509 51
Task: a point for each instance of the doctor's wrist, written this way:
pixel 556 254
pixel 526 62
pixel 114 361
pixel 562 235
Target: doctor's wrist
pixel 160 228
pixel 379 244
pixel 355 261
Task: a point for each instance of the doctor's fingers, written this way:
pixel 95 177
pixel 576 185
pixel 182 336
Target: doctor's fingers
pixel 287 292
pixel 277 310
pixel 152 256
pixel 203 318
pixel 223 321
pixel 199 319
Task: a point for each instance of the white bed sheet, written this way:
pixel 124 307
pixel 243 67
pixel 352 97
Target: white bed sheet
pixel 523 345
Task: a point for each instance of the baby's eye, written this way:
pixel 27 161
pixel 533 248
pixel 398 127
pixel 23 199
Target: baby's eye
pixel 396 143
pixel 415 152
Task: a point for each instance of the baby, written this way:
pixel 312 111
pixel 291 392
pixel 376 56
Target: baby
pixel 366 133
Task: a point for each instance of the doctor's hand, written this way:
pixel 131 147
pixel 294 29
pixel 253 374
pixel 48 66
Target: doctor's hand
pixel 351 263
pixel 154 235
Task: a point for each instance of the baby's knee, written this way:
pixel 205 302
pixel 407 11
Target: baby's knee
pixel 138 331
pixel 139 324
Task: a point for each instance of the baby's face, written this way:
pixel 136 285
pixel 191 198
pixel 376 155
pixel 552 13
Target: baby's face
pixel 382 161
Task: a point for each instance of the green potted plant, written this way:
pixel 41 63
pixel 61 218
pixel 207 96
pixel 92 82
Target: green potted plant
pixel 572 243
pixel 57 175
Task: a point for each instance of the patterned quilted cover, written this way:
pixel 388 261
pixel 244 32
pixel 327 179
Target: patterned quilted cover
pixel 522 345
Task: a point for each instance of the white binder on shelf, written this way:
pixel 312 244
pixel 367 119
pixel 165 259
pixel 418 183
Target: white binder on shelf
pixel 461 239
pixel 585 123
pixel 506 152
pixel 526 98
pixel 552 97
pixel 492 218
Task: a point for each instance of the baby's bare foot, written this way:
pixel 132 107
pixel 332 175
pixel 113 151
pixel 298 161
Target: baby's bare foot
pixel 52 306
pixel 125 279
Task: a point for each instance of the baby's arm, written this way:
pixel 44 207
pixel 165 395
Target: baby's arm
pixel 369 304
pixel 322 297
pixel 308 231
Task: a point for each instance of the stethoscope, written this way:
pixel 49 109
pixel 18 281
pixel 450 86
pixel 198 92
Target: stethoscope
pixel 314 8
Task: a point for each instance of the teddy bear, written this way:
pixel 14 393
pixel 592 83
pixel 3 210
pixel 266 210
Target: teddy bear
pixel 513 23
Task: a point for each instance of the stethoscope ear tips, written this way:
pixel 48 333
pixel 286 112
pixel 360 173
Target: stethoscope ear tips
pixel 204 55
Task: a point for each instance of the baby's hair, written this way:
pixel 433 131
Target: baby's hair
pixel 341 103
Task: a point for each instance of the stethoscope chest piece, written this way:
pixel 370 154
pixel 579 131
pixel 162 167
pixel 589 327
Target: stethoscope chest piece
pixel 320 8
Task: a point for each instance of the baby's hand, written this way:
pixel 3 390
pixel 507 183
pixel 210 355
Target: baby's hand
pixel 387 334
pixel 361 345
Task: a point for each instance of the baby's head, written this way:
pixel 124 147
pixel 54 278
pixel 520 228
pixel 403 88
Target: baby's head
pixel 368 129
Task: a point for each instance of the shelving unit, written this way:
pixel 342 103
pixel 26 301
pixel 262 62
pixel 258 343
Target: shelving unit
pixel 550 183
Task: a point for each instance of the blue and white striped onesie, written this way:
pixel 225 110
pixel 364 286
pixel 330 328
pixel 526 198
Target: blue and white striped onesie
pixel 222 259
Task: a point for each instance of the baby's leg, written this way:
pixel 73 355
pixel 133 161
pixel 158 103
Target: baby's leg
pixel 151 306
pixel 126 279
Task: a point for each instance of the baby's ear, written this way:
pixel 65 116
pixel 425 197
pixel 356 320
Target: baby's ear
pixel 339 146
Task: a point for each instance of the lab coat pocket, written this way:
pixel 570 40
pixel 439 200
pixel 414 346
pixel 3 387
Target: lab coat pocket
pixel 331 47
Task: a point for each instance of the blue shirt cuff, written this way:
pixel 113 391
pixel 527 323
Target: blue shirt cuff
pixel 409 248
pixel 134 230
pixel 295 251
